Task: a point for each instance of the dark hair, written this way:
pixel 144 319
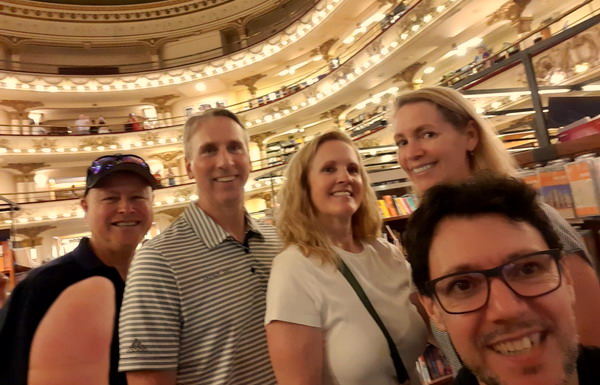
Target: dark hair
pixel 485 193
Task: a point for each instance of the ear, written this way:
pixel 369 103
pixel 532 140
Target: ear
pixel 433 311
pixel 568 279
pixel 188 168
pixel 84 204
pixel 472 134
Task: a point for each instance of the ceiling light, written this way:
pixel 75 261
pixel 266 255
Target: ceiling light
pixel 557 77
pixel 200 87
pixel 579 68
pixel 496 105
pixel 429 70
pixel 591 87
pixel 348 40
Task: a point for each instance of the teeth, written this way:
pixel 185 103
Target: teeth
pixel 225 179
pixel 124 224
pixel 342 193
pixel 518 346
pixel 421 169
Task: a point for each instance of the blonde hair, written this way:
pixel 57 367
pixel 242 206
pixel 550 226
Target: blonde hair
pixel 193 123
pixel 296 219
pixel 489 153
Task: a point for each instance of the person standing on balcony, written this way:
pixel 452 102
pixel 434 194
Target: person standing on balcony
pixel 195 297
pixel 118 210
pixel 82 125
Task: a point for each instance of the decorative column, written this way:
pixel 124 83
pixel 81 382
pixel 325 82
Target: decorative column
pixel 30 238
pixel 408 75
pixel 24 182
pixel 324 49
pixel 258 151
pixel 19 118
pixel 171 167
pixel 163 111
pixel 334 114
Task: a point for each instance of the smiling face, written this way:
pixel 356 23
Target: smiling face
pixel 512 340
pixel 335 182
pixel 118 211
pixel 430 149
pixel 219 162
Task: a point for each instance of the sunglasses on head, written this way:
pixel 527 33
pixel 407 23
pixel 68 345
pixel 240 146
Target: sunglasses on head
pixel 108 161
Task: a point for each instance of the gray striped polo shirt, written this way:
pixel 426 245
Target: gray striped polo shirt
pixel 195 302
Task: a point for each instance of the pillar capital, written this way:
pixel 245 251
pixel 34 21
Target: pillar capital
pixel 21 106
pixel 249 82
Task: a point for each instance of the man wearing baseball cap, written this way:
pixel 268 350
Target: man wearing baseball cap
pixel 118 210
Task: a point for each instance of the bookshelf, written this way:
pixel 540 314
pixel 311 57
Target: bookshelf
pixel 445 380
pixel 571 148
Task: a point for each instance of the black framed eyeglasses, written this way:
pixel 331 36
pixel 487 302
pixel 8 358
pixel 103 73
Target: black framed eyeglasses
pixel 106 162
pixel 528 276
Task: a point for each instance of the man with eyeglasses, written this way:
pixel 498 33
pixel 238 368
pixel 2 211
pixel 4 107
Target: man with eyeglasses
pixel 118 211
pixel 487 265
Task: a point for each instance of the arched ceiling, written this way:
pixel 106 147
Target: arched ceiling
pixel 101 2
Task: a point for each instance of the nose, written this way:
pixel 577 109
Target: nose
pixel 503 303
pixel 412 150
pixel 343 176
pixel 224 159
pixel 125 205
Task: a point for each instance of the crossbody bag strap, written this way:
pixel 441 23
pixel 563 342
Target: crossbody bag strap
pixel 398 365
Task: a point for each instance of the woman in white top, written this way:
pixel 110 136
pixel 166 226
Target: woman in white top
pixel 318 330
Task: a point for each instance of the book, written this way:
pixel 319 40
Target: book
pixel 383 208
pixel 399 206
pixel 389 203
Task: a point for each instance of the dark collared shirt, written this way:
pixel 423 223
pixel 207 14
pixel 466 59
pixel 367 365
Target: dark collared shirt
pixel 32 298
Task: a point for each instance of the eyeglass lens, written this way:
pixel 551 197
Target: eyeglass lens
pixel 528 276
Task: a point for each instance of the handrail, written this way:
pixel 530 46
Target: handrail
pixel 305 80
pixel 506 51
pixel 171 63
pixel 24 198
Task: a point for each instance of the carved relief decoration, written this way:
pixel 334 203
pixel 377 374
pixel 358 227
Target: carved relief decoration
pixel 334 113
pixel 44 143
pixel 159 102
pixel 185 193
pixel 34 231
pixel 582 49
pixel 149 137
pixel 512 11
pixel 173 212
pixel 324 48
pixel 259 138
pixel 26 168
pixel 21 106
pixel 249 82
pixel 98 141
pixel 407 75
pixel 4 144
pixel 365 143
pixel 168 157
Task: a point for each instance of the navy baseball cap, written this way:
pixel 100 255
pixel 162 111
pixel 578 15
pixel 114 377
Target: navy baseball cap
pixel 109 164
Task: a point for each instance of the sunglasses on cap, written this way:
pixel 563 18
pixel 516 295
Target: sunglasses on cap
pixel 106 162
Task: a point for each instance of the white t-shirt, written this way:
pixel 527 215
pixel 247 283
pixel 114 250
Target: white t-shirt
pixel 304 291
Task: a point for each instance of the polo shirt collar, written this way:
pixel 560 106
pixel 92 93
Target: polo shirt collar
pixel 210 231
pixel 85 256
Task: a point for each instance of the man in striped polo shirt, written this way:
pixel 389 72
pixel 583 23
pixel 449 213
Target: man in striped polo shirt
pixel 195 295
